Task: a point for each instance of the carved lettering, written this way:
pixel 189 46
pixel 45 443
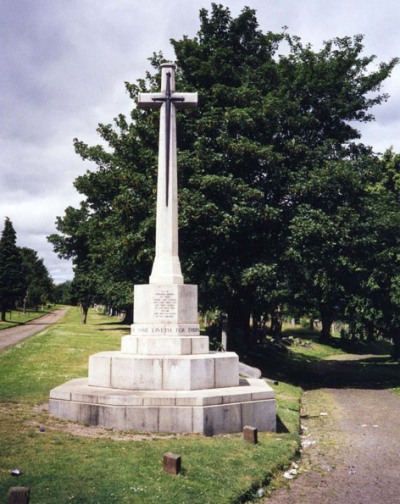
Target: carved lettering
pixel 165 304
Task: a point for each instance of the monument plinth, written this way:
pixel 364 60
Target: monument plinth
pixel 165 379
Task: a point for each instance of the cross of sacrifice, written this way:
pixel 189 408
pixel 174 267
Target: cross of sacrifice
pixel 166 266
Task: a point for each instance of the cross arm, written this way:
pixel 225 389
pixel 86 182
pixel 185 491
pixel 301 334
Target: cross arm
pixel 150 100
pixel 155 100
pixel 189 100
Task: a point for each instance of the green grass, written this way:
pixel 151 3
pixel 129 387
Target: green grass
pixel 61 467
pixel 29 370
pixel 309 364
pixel 17 317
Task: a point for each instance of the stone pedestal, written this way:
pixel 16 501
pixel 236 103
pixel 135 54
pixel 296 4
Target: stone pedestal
pixel 165 379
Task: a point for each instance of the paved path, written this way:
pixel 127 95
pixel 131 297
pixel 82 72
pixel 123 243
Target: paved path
pixel 14 335
pixel 351 449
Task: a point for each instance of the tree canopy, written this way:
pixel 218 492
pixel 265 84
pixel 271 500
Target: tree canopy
pixel 277 193
pixel 24 278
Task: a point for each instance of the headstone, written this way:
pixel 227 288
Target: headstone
pixel 165 379
pixel 18 495
pixel 172 463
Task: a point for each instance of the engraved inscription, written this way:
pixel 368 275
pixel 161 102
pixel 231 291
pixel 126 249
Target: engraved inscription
pixel 165 304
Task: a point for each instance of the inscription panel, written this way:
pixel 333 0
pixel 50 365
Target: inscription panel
pixel 165 304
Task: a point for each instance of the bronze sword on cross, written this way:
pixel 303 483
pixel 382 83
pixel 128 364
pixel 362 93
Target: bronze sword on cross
pixel 166 266
pixel 168 99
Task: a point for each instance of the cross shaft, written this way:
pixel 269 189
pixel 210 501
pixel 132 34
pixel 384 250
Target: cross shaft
pixel 166 266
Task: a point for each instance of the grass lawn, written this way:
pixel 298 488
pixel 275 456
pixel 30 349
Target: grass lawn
pixel 61 467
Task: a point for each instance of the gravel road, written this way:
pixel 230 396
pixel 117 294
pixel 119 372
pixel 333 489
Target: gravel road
pixel 351 446
pixel 14 335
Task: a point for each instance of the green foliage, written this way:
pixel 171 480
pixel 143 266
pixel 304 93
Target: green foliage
pixel 12 281
pixel 39 287
pixel 63 293
pixel 268 172
pixel 24 278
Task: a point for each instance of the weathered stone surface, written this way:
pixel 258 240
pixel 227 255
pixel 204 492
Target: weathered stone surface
pixel 172 372
pixel 209 412
pixel 164 345
pixel 172 463
pixel 166 304
pixel 18 495
pixel 250 434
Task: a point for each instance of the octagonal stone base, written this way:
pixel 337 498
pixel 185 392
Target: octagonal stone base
pixel 207 412
pixel 175 372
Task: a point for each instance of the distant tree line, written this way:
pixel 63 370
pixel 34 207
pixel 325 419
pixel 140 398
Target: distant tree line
pixel 282 208
pixel 24 279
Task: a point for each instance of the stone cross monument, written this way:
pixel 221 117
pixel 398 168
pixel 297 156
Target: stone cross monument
pixel 166 267
pixel 165 379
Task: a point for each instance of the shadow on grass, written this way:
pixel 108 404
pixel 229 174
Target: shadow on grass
pixel 120 326
pixel 8 324
pixel 309 372
pixel 108 324
pixel 117 329
pixel 281 427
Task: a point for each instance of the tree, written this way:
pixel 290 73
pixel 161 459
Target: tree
pixel 264 122
pixel 39 285
pixel 267 125
pixel 12 281
pixel 380 280
pixel 63 293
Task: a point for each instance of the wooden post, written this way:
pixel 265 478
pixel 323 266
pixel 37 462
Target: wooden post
pixel 250 434
pixel 18 495
pixel 172 463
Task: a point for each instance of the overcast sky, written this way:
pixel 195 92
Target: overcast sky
pixel 63 64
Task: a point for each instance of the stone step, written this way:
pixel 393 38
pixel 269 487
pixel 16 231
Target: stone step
pixel 174 372
pixel 207 412
pixel 164 345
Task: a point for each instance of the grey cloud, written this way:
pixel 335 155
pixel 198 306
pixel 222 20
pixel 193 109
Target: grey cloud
pixel 62 70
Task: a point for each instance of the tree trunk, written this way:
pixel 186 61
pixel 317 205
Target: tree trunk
pixel 326 322
pixel 370 332
pixel 238 329
pixel 85 310
pixel 25 302
pixel 276 322
pixel 396 344
pixel 3 314
pixel 128 319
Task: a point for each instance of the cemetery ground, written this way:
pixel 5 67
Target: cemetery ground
pixel 62 461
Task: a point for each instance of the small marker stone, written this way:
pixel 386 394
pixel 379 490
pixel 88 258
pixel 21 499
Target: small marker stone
pixel 250 434
pixel 172 463
pixel 18 495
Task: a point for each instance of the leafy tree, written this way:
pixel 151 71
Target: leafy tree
pixel 264 125
pixel 12 281
pixel 264 128
pixel 63 293
pixel 328 237
pixel 39 285
pixel 379 306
